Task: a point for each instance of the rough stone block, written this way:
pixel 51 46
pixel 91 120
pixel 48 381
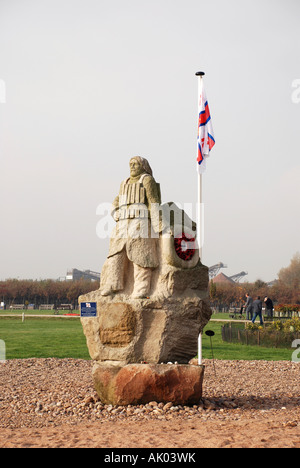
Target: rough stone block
pixel 141 383
pixel 136 330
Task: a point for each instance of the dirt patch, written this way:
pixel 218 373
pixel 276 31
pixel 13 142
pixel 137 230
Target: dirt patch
pixel 52 403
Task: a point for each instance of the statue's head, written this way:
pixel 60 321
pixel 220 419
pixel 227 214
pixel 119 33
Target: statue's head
pixel 139 166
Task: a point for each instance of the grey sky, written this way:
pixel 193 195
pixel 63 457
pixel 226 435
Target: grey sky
pixel 90 83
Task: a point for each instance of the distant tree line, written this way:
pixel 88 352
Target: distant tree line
pixel 226 295
pixel 14 291
pixel 284 291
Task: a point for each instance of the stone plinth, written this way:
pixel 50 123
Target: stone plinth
pixel 141 383
pixel 162 328
pixel 145 330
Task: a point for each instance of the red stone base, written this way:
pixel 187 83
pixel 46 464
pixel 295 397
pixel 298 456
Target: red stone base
pixel 141 383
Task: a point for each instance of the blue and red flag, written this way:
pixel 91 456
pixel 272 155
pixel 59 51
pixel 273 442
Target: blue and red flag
pixel 205 139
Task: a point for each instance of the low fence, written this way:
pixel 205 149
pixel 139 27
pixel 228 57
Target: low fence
pixel 65 307
pixel 269 338
pixel 58 307
pixel 287 314
pixel 281 312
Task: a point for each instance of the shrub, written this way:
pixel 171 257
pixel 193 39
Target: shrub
pixel 275 334
pixel 253 326
pixel 287 308
pixel 292 325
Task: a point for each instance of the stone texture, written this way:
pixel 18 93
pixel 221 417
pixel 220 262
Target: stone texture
pixel 173 280
pixel 117 324
pixel 142 383
pixel 161 328
pixel 149 330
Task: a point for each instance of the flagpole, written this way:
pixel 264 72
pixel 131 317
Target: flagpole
pixel 200 253
pixel 200 239
pixel 200 74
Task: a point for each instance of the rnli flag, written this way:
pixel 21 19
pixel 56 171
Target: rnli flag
pixel 205 139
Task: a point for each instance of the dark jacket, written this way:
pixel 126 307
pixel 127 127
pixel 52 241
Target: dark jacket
pixel 257 306
pixel 269 304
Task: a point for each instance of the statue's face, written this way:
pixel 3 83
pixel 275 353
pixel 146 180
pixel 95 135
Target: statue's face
pixel 136 168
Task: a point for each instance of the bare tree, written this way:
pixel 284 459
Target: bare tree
pixel 290 275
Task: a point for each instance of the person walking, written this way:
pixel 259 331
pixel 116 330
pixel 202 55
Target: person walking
pixel 248 307
pixel 257 310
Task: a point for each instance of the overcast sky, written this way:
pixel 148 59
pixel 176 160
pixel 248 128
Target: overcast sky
pixel 91 83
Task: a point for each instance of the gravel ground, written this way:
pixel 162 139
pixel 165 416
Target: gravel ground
pixel 39 396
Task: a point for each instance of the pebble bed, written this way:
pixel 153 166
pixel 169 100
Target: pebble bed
pixel 52 392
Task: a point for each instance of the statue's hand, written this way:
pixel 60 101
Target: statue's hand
pixel 116 215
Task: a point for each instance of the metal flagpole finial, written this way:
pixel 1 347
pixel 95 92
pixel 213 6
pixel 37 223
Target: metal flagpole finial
pixel 200 73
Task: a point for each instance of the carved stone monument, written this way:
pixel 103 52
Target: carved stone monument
pixel 152 302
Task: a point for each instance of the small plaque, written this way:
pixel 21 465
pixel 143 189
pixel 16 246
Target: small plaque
pixel 88 309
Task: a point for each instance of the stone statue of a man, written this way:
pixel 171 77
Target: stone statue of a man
pixel 135 236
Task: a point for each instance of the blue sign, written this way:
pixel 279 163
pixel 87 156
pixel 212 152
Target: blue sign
pixel 88 309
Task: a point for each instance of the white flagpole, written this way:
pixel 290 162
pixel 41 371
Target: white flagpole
pixel 200 253
pixel 199 201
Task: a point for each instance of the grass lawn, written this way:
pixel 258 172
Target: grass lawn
pixel 224 350
pixel 36 312
pixel 64 338
pixel 42 338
